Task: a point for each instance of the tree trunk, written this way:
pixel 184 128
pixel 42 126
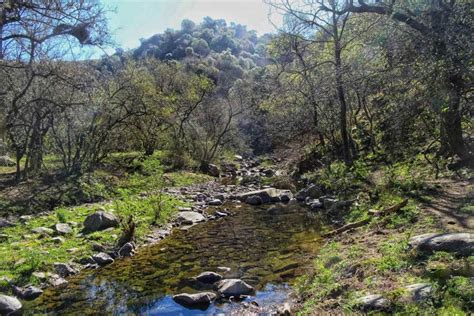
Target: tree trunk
pixel 343 105
pixel 451 131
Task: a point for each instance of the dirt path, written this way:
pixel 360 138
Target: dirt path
pixel 446 200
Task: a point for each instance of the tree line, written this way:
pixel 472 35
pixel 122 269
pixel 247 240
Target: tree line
pixel 339 80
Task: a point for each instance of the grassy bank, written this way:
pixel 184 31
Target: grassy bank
pixel 128 185
pixel 376 259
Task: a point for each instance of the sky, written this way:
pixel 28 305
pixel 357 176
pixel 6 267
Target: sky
pixel 135 19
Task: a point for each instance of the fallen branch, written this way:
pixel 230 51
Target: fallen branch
pixel 391 209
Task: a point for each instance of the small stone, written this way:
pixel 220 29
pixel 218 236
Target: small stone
pixel 57 281
pixel 57 240
pixel 63 269
pixel 43 231
pixel 63 229
pixel 3 237
pixel 215 202
pixel 223 269
pixel 102 258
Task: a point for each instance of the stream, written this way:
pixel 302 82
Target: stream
pixel 267 247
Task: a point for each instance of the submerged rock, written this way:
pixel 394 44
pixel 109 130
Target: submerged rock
pixel 28 293
pixel 254 200
pixel 269 195
pixel 99 221
pixel 459 243
pixel 9 305
pixel 373 302
pixel 209 277
pixel 233 287
pixel 192 300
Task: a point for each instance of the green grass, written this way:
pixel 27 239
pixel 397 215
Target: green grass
pixel 137 193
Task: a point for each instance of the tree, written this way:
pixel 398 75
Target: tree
pixel 446 27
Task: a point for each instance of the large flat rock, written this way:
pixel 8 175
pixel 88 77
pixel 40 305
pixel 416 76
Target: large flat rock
pixel 459 243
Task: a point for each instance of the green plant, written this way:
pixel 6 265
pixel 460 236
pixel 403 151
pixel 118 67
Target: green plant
pixel 61 215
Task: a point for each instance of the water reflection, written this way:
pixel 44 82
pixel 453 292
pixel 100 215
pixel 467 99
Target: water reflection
pixel 268 247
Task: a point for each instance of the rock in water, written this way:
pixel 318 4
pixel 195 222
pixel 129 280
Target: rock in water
pixel 63 229
pixel 28 293
pixel 209 277
pixel 373 302
pixel 194 300
pixel 254 200
pixel 102 258
pixel 234 287
pixel 9 305
pixel 459 243
pixel 99 221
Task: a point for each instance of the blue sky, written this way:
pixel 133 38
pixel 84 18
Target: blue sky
pixel 135 19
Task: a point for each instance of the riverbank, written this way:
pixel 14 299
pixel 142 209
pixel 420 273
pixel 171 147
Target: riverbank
pixel 379 267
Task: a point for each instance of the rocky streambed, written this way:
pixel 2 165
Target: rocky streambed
pixel 266 246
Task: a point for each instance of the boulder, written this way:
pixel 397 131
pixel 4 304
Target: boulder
pixel 189 218
pixel 63 229
pixel 28 293
pixel 233 287
pixel 6 161
pixel 193 300
pixel 313 192
pixel 254 200
pixel 213 170
pixel 373 302
pixel 102 258
pixel 458 243
pixel 99 221
pixel 63 269
pixel 127 250
pixel 9 305
pixel 209 277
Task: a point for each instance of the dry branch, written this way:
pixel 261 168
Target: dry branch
pixel 391 209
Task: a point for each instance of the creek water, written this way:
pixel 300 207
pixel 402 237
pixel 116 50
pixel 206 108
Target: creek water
pixel 268 247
